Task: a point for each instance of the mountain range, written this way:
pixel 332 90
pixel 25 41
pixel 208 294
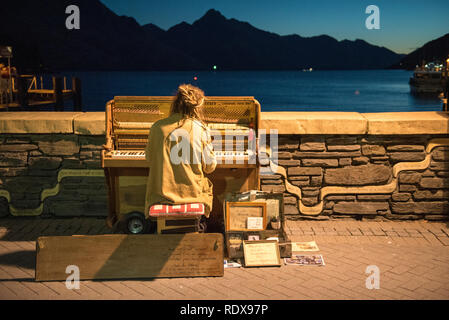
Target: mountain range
pixel 106 41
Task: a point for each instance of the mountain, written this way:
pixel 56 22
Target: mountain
pixel 106 41
pixel 435 50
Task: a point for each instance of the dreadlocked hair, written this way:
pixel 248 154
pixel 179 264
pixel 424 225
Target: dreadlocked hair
pixel 188 102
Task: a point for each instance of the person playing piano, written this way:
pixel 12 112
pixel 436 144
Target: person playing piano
pixel 180 152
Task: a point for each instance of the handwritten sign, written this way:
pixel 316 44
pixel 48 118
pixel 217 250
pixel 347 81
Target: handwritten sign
pixel 117 256
pixel 237 214
pixel 261 253
pixel 255 223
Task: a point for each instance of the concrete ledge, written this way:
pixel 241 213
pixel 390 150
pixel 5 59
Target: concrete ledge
pixel 37 122
pixel 350 123
pixel 428 122
pixel 90 123
pixel 314 122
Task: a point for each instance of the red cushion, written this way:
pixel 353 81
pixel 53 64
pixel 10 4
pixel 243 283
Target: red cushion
pixel 189 209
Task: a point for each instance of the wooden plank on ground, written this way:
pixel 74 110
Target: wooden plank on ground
pixel 118 256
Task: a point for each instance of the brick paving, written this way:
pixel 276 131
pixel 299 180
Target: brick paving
pixel 412 257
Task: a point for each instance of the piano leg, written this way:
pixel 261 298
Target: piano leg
pixel 111 220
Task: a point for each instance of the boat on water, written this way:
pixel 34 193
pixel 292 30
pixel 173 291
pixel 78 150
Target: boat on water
pixel 428 79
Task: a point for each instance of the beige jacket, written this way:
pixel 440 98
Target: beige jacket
pixel 179 152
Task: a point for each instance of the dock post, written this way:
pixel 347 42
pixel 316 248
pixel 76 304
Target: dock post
pixel 76 92
pixel 57 94
pixel 22 91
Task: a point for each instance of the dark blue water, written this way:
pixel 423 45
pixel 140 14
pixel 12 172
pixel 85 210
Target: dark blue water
pixel 360 91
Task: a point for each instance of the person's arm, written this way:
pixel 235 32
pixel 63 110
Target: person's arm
pixel 208 159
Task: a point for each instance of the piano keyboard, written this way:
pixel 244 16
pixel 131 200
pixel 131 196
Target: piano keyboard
pixel 127 154
pixel 221 156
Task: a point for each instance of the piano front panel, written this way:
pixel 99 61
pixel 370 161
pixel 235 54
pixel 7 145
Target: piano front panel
pixel 233 120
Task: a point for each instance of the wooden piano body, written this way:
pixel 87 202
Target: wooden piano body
pixel 128 120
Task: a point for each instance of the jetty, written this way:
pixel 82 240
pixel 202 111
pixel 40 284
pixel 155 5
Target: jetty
pixel 27 93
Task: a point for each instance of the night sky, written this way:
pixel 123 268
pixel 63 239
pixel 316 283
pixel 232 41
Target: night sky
pixel 404 24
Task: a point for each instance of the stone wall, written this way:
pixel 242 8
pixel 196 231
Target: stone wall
pixel 357 172
pixel 330 165
pixel 31 166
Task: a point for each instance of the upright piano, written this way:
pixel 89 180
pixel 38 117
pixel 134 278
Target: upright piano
pixel 234 124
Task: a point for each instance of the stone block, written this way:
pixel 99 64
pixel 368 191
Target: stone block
pixel 12 172
pixel 288 143
pixel 47 163
pixel 300 183
pixel 411 148
pixel 440 154
pixel 407 156
pixel 373 150
pixel 273 188
pixel 13 159
pixel 18 140
pixel 369 174
pixel 341 140
pixel 316 181
pixel 329 205
pixel 360 160
pixel 325 154
pixel 270 176
pixel 409 177
pixel 343 162
pixel 407 188
pixel 439 166
pixel 282 155
pixel 354 147
pixel 326 163
pixel 60 146
pixel 362 208
pixel 401 196
pixel 310 201
pixel 269 181
pixel 431 195
pixel 310 192
pixel 290 200
pixel 340 198
pixel 434 207
pixel 17 147
pixel 301 171
pixel 374 197
pixel 436 217
pixel 289 163
pixel 85 155
pixel 435 183
pixel 299 178
pixel 428 173
pixel 312 144
pixel 289 209
pixel 443 174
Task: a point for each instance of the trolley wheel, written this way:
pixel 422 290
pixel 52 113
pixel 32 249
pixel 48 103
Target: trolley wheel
pixel 135 223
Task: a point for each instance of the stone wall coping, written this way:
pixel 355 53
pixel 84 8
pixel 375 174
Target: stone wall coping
pixel 351 123
pixel 424 122
pixel 314 122
pixel 90 123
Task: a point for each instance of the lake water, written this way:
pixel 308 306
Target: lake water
pixel 360 91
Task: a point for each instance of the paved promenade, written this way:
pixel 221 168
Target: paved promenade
pixel 412 257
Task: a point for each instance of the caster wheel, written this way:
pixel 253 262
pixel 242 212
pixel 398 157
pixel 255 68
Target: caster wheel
pixel 135 223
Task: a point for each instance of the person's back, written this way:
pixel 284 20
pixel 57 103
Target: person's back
pixel 179 152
